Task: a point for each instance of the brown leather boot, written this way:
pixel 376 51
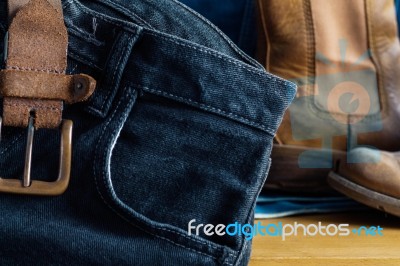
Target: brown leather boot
pixel 375 182
pixel 345 58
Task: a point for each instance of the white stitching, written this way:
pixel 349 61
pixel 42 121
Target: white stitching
pixel 83 60
pixel 36 70
pixel 117 212
pixel 101 16
pixel 32 106
pixel 125 11
pixel 210 52
pixel 113 79
pixel 207 107
pixel 221 56
pixel 105 174
pixel 12 143
pixel 83 35
pixel 231 44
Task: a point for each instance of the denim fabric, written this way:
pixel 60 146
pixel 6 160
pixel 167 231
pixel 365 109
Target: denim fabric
pixel 236 18
pixel 275 205
pixel 180 127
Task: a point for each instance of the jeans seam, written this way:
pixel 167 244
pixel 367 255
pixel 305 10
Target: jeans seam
pixel 104 161
pixel 83 60
pixel 130 38
pixel 124 25
pixel 259 72
pixel 263 175
pixel 231 44
pixel 74 30
pixel 230 255
pixel 124 10
pixel 242 248
pixel 12 143
pixel 207 108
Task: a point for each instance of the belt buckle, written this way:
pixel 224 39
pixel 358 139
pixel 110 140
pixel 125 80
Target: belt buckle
pixel 34 187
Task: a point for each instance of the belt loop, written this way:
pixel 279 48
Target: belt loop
pixel 104 95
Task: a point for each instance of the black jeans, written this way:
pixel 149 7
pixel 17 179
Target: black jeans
pixel 180 128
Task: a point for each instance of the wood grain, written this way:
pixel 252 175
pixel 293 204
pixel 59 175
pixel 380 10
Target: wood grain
pixel 332 251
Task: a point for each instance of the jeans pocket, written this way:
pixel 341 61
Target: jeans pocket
pixel 160 164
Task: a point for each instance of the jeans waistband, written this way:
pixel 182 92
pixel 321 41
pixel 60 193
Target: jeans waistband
pixel 222 81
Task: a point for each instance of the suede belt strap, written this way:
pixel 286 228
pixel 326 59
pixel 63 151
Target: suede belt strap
pixel 34 82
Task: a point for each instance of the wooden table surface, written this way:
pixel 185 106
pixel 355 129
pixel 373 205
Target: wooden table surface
pixel 353 250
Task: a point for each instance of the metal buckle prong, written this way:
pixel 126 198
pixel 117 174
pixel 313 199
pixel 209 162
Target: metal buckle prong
pixel 43 188
pixel 28 153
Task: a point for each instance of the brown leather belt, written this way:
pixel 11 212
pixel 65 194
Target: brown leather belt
pixel 34 85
